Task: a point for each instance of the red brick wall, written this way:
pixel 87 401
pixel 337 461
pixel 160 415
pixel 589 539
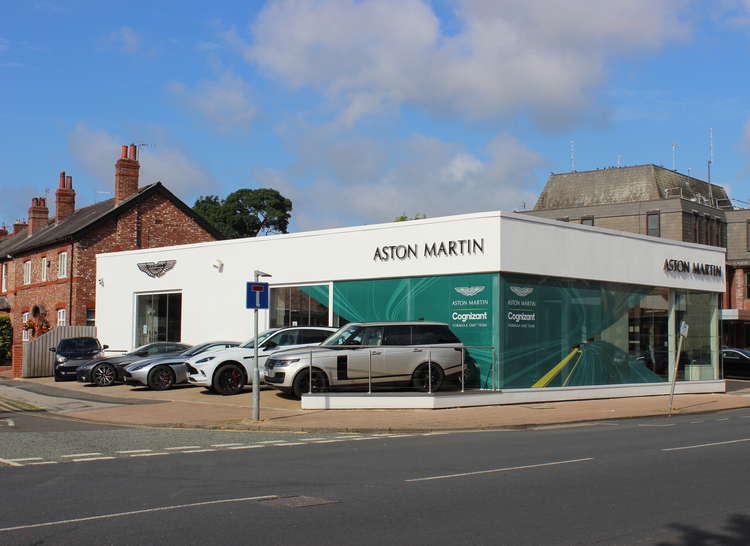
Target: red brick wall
pixel 153 222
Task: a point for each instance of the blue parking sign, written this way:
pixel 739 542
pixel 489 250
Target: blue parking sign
pixel 257 295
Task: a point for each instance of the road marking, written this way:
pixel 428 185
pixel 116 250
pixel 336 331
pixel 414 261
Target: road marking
pixel 9 463
pixel 246 447
pixel 291 444
pixel 271 441
pixel 707 445
pixel 86 459
pixel 181 447
pixel 744 416
pixel 45 462
pixel 312 439
pixel 135 512
pixel 695 422
pixel 149 454
pixel 27 459
pixel 723 419
pixel 506 469
pixel 227 445
pixel 657 425
pixel 126 452
pixel 11 422
pixel 327 441
pixel 197 450
pixel 401 435
pixel 80 455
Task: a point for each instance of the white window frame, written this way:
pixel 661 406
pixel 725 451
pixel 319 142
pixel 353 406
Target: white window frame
pixel 25 333
pixel 27 272
pixel 62 317
pixel 4 285
pixel 43 264
pixel 62 265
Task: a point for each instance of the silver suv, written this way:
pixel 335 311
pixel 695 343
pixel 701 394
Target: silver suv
pixel 360 352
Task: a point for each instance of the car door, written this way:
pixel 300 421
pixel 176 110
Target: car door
pixel 735 364
pixel 353 364
pixel 401 358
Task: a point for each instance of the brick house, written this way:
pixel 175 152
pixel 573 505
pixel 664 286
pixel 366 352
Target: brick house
pixel 48 265
pixel 652 200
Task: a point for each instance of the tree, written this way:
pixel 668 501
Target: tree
pixel 6 337
pixel 404 217
pixel 246 212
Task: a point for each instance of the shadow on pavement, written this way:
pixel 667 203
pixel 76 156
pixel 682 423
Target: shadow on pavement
pixel 737 533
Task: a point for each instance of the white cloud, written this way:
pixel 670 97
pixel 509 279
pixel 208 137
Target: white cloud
pixel 97 152
pixel 544 58
pixel 421 174
pixel 225 102
pixel 126 39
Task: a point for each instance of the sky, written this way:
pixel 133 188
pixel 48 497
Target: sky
pixel 360 111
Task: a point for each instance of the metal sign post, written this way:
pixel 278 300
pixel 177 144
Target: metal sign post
pixel 683 335
pixel 256 298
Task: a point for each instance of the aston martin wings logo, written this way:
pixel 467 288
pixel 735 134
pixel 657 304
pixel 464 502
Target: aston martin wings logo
pixel 469 291
pixel 156 269
pixel 521 291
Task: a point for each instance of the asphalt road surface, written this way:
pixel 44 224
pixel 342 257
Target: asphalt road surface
pixel 650 481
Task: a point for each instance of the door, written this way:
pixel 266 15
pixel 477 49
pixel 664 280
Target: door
pixel 353 365
pixel 400 358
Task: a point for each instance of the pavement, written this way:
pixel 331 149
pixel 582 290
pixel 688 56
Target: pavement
pixel 189 407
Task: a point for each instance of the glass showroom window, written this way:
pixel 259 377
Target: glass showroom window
pixel 158 318
pixel 698 359
pixel 299 306
pixel 62 319
pixel 653 224
pixel 43 265
pixel 27 272
pixel 62 265
pixel 25 333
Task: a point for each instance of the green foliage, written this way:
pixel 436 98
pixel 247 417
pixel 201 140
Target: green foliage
pixel 246 212
pixel 6 339
pixel 404 217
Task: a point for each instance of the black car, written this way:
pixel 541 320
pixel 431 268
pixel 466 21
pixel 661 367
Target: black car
pixel 108 371
pixel 72 353
pixel 736 363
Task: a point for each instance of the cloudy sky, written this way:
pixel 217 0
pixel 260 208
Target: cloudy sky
pixel 361 110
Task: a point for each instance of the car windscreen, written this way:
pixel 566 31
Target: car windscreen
pixel 78 345
pixel 250 343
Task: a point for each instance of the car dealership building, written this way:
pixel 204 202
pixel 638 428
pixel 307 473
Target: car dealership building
pixel 552 310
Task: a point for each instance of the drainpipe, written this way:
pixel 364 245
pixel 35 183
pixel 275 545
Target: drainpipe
pixel 70 286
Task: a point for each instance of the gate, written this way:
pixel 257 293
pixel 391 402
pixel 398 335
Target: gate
pixel 38 360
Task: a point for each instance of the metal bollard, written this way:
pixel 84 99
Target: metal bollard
pixel 309 387
pixel 494 373
pixel 369 373
pixel 429 371
pixel 463 375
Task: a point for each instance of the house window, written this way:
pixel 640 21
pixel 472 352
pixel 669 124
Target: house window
pixel 747 285
pixel 43 265
pixel 587 221
pixel 25 333
pixel 653 224
pixel 4 285
pixel 695 228
pixel 62 265
pixel 90 317
pixel 61 318
pixel 27 272
pixel 747 235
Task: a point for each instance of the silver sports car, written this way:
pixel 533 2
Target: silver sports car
pixel 159 373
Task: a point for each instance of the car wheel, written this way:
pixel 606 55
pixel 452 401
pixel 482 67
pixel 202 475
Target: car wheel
pixel 161 378
pixel 103 375
pixel 301 383
pixel 420 379
pixel 228 379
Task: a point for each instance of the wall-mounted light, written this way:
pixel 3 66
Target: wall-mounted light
pixel 219 265
pixel 100 281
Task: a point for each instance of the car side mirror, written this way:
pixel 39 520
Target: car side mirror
pixel 141 353
pixel 52 350
pixel 105 347
pixel 270 345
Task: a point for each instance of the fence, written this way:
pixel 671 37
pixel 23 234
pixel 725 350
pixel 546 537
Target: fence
pixel 38 361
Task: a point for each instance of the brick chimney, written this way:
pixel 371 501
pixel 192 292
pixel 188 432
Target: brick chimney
pixel 38 215
pixel 126 174
pixel 18 226
pixel 65 198
pixel 3 232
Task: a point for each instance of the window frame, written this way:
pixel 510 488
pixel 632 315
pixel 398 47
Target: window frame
pixel 27 271
pixel 91 316
pixel 657 215
pixel 25 333
pixel 62 317
pixel 4 277
pixel 62 265
pixel 43 264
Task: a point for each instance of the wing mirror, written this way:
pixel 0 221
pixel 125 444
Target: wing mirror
pixel 270 345
pixel 105 347
pixel 52 350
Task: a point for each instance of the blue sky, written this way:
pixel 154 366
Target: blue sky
pixel 360 111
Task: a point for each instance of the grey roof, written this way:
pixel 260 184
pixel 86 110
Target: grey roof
pixel 68 228
pixel 624 185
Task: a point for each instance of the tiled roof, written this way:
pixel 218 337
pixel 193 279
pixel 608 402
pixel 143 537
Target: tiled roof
pixel 56 232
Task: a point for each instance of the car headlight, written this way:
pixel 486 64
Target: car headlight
pixel 204 360
pixel 61 359
pixel 281 363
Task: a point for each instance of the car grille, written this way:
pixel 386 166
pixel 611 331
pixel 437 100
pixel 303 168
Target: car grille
pixel 190 369
pixel 278 377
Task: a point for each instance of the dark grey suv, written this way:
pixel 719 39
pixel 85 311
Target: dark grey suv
pixel 74 352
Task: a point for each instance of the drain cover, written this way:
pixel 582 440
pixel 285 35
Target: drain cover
pixel 298 502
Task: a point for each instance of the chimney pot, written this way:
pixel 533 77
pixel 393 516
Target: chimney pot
pixel 126 176
pixel 62 179
pixel 132 153
pixel 38 214
pixel 65 199
pixel 123 152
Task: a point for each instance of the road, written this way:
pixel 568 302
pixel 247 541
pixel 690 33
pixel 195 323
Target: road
pixel 648 481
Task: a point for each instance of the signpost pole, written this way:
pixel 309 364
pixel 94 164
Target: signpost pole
pixel 256 369
pixel 683 335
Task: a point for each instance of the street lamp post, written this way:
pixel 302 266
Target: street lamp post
pixel 256 369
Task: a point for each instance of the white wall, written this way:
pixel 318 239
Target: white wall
pixel 213 302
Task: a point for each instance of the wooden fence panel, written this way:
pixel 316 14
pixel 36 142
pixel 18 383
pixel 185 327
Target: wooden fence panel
pixel 38 361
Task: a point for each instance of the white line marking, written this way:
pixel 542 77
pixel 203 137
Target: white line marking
pixel 744 416
pixel 291 444
pixel 181 447
pixel 707 445
pixel 134 512
pixel 657 425
pixel 197 450
pixel 45 462
pixel 695 422
pixel 9 463
pixel 11 422
pixel 80 455
pixel 724 419
pixel 506 469
pixel 327 441
pixel 227 445
pixel 126 452
pixel 402 435
pixel 27 459
pixel 271 441
pixel 246 447
pixel 86 459
pixel 149 454
pixel 322 438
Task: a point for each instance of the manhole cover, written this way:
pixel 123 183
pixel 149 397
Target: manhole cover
pixel 298 502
